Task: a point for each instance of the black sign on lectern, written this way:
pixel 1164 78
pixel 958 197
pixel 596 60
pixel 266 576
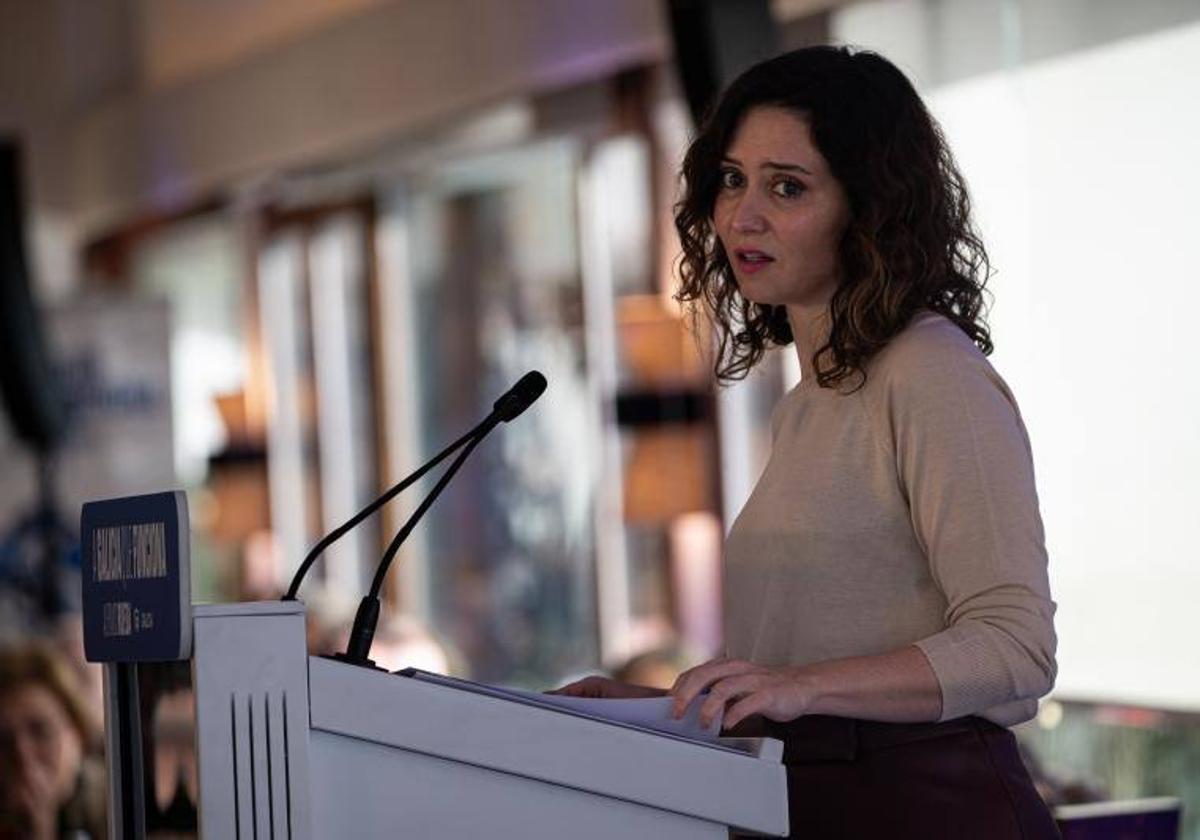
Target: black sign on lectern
pixel 136 578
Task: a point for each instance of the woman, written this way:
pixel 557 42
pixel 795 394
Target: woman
pixel 887 607
pixel 49 787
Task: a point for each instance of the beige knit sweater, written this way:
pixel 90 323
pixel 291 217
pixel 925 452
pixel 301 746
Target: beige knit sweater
pixel 902 513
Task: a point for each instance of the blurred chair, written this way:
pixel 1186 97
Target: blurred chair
pixel 1129 819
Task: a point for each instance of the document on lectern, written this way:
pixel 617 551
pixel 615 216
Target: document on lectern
pixel 652 713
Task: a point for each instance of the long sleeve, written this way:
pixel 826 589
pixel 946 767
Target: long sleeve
pixel 964 463
pixel 901 513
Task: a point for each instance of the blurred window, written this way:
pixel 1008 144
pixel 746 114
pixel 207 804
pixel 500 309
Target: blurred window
pixel 314 296
pixel 196 264
pixel 506 555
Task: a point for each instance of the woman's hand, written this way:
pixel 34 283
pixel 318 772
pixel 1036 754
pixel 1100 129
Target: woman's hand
pixel 603 687
pixel 743 689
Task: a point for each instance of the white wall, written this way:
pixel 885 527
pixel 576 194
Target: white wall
pixel 1085 176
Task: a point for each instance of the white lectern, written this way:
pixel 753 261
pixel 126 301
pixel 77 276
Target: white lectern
pixel 292 746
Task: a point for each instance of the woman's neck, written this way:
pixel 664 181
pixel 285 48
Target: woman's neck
pixel 810 331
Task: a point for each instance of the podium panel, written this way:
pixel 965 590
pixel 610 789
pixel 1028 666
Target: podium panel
pixel 401 794
pixel 292 746
pixel 252 722
pixel 530 754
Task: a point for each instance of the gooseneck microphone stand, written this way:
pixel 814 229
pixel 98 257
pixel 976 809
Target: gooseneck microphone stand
pixel 336 534
pixel 362 634
pixel 510 405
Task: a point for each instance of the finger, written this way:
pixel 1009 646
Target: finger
pixel 580 688
pixel 685 676
pixel 698 669
pixel 692 682
pixel 712 677
pixel 750 705
pixel 594 687
pixel 572 690
pixel 725 691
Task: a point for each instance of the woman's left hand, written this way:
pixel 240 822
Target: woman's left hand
pixel 743 689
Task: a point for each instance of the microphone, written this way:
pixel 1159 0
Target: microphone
pixel 509 406
pixel 518 398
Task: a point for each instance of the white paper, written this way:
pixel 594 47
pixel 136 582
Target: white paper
pixel 647 713
pixel 651 712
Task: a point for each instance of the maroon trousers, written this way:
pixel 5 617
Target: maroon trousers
pixel 959 780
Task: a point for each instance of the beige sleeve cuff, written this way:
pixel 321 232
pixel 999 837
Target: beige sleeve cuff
pixel 978 676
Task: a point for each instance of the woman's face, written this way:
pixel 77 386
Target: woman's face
pixel 780 214
pixel 40 748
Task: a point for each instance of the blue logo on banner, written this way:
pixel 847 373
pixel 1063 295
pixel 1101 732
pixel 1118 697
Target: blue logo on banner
pixel 136 579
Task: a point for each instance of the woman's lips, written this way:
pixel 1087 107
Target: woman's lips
pixel 750 261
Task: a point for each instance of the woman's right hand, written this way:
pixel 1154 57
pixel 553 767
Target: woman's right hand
pixel 606 688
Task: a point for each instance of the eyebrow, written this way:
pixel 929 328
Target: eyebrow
pixel 770 164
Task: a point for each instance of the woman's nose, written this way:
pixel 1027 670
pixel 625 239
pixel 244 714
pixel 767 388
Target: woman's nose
pixel 748 217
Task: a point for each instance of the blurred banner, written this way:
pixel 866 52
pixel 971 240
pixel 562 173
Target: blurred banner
pixel 112 359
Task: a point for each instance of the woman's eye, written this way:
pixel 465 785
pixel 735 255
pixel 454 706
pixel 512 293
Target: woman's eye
pixel 731 179
pixel 787 188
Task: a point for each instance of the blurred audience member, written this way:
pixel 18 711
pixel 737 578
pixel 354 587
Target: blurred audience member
pixel 49 785
pixel 168 709
pixel 328 617
pixel 403 642
pixel 260 567
pixel 68 640
pixel 176 778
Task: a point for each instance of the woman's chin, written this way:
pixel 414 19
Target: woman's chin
pixel 756 291
pixel 759 296
pixel 764 294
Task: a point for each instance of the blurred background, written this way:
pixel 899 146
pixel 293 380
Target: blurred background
pixel 280 252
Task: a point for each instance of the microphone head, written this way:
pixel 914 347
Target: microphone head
pixel 520 396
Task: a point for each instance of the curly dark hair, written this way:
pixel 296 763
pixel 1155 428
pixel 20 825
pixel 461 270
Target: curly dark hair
pixel 910 243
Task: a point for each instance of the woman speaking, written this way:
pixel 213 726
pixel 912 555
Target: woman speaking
pixel 888 613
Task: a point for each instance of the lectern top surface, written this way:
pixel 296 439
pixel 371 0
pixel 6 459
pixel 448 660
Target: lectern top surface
pixel 684 730
pixel 248 608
